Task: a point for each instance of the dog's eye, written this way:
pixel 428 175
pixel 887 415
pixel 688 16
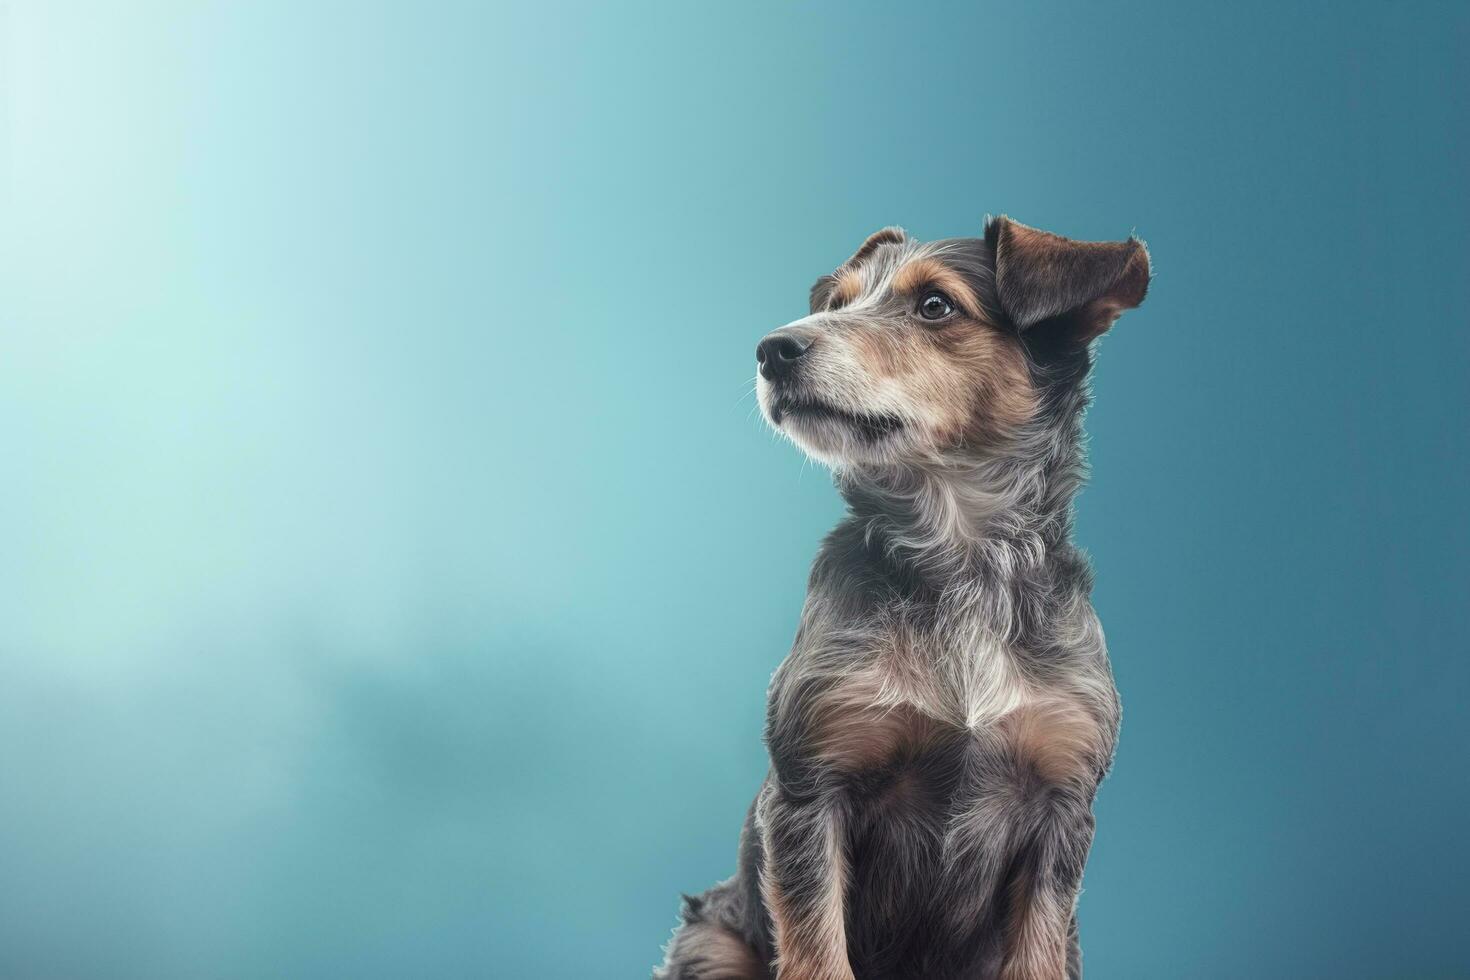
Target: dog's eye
pixel 935 306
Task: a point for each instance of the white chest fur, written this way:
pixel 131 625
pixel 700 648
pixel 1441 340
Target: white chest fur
pixel 962 675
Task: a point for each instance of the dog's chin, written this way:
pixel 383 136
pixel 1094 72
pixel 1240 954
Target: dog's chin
pixel 833 435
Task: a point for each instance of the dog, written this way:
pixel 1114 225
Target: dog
pixel 939 730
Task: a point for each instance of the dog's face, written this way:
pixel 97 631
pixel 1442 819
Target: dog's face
pixel 914 352
pixel 900 358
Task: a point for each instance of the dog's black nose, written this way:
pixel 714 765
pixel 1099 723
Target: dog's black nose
pixel 778 353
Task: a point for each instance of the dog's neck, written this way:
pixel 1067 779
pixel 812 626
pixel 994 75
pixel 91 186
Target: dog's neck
pixel 976 516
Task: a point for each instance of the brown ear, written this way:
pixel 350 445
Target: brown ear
pixel 823 287
pixel 892 235
pixel 1040 276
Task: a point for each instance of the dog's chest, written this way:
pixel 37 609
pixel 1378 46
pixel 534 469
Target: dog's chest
pixel 959 673
pixel 903 690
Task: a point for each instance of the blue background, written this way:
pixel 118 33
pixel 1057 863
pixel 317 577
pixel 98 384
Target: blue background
pixel 392 563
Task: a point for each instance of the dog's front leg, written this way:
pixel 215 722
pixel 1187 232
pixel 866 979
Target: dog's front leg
pixel 1041 940
pixel 804 883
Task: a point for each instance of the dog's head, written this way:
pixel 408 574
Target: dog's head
pixel 921 351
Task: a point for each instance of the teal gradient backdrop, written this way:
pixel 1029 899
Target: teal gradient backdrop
pixel 392 563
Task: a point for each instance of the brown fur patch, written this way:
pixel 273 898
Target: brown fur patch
pixel 720 954
pixel 848 288
pixel 969 379
pixel 1058 740
pixel 783 935
pixel 929 271
pixel 1004 398
pixel 856 725
pixel 1036 935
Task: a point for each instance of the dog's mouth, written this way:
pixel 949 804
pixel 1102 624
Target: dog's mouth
pixel 869 426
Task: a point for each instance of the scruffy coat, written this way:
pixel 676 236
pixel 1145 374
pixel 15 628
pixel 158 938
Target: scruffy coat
pixel 941 726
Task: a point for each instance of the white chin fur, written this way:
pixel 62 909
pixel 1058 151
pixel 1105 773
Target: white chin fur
pixel 821 439
pixel 833 443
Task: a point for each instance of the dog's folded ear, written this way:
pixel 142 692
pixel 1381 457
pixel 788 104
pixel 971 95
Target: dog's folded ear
pixel 1082 286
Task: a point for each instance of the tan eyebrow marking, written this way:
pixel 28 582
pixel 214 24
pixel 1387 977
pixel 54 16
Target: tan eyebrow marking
pixel 928 271
pixel 849 287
